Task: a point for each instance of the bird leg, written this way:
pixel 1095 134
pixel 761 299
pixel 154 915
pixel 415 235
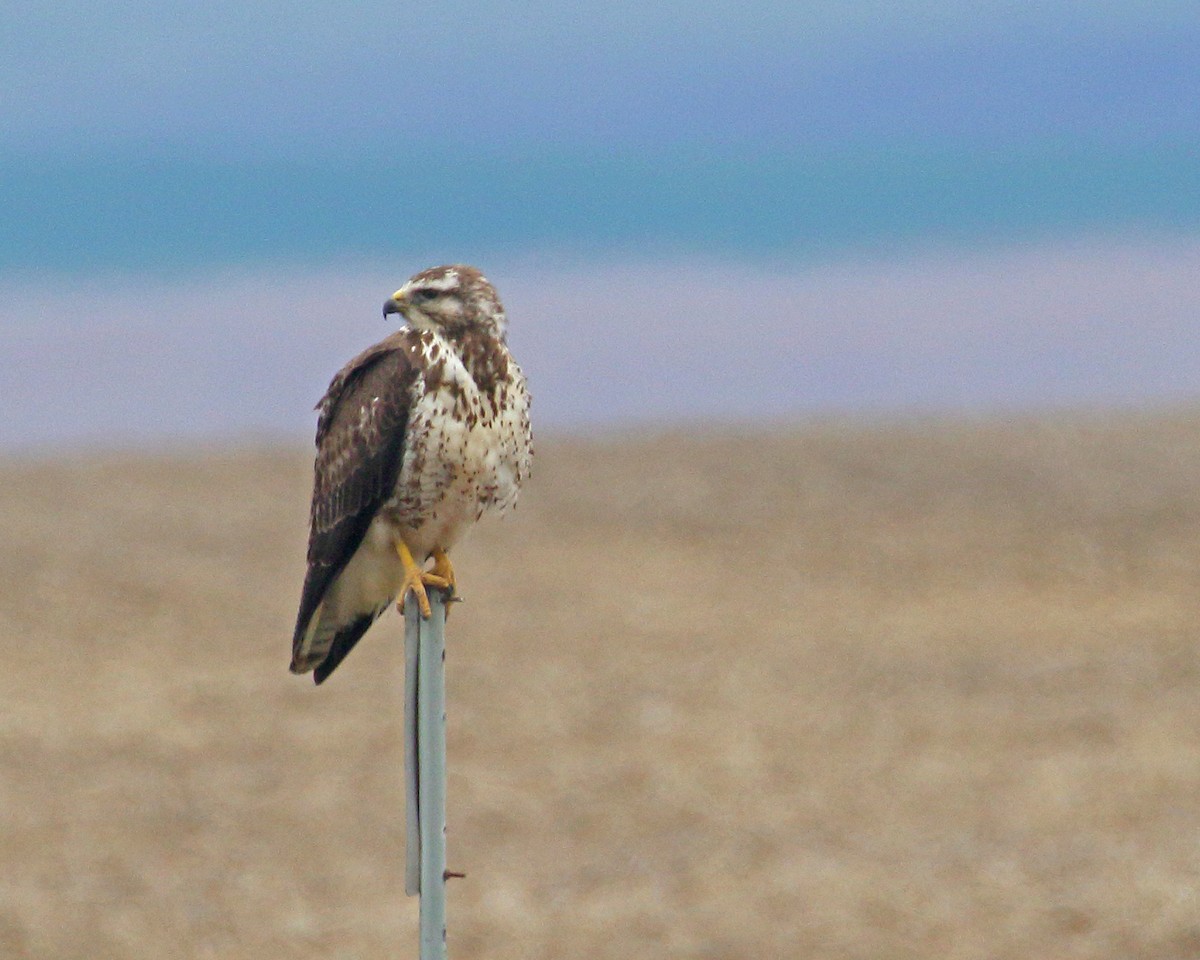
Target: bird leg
pixel 416 580
pixel 442 567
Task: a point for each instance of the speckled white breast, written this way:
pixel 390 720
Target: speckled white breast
pixel 466 454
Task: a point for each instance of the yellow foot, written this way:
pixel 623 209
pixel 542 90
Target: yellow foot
pixel 416 580
pixel 442 567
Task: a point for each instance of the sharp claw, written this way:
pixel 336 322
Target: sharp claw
pixel 416 580
pixel 422 602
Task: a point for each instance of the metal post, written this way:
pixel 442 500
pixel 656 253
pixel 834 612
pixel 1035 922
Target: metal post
pixel 425 773
pixel 412 829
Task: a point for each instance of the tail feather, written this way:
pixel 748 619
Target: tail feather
pixel 323 646
pixel 343 643
pixel 310 642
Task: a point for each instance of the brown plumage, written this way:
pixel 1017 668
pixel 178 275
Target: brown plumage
pixel 417 438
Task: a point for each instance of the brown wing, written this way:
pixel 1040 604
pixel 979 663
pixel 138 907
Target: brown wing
pixel 360 448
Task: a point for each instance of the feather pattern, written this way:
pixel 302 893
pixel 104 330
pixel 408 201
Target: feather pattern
pixel 360 447
pixel 417 438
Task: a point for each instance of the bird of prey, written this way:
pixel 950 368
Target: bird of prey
pixel 417 438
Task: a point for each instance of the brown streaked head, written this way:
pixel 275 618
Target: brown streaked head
pixel 451 299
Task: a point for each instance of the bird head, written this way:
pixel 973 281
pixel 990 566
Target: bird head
pixel 452 300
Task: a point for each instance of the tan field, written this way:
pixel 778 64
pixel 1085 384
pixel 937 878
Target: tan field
pixel 914 690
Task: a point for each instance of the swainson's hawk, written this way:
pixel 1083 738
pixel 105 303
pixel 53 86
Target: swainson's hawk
pixel 417 437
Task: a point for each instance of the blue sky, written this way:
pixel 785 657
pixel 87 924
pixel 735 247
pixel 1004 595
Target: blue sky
pixel 595 158
pixel 144 135
pixel 335 79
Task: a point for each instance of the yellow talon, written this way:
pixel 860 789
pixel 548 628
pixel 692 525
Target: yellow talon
pixel 442 567
pixel 416 580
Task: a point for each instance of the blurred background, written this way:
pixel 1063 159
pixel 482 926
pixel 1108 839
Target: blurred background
pixel 851 611
pixel 913 206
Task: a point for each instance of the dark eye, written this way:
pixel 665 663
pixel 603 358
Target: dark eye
pixel 426 295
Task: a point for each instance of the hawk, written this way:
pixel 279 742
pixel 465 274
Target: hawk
pixel 417 438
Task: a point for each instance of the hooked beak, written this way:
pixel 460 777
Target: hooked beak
pixel 395 305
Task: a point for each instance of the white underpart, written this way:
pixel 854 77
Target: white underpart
pixel 466 473
pixel 369 581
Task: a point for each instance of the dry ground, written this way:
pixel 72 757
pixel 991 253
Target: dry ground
pixel 907 691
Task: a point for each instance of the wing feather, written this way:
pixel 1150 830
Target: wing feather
pixel 360 448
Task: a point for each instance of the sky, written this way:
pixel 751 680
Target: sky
pixel 861 196
pixel 233 80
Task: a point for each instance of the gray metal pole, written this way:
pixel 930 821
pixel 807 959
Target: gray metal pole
pixel 412 828
pixel 429 769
